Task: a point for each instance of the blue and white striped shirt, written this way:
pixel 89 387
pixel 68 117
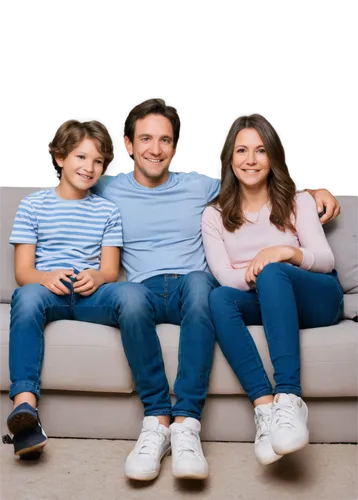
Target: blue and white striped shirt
pixel 67 233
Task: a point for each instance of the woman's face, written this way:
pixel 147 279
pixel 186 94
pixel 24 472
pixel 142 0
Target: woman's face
pixel 250 162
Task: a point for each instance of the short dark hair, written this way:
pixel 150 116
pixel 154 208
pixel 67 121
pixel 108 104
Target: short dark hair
pixel 72 132
pixel 152 107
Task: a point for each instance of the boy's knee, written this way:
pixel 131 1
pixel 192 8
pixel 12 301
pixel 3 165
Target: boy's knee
pixel 29 295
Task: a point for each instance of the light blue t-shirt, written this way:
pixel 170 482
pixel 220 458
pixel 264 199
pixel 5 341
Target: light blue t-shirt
pixel 161 225
pixel 67 233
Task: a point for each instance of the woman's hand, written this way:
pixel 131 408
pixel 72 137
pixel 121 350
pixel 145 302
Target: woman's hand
pixel 87 282
pixel 282 253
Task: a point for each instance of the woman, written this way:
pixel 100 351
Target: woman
pixel 265 245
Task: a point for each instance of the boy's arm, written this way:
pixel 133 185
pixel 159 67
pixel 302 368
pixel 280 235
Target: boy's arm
pixel 112 241
pixel 25 272
pixel 89 280
pixel 110 262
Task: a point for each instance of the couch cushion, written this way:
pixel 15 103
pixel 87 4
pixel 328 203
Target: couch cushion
pixel 78 357
pixel 10 198
pixel 342 235
pixel 88 357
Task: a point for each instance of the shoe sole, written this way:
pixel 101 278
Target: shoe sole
pixel 190 475
pixel 287 451
pixel 270 460
pixel 22 422
pixel 146 476
pixel 32 455
pixel 31 449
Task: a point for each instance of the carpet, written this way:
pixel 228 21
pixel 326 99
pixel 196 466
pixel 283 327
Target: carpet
pixel 84 469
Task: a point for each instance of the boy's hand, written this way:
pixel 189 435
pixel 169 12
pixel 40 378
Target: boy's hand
pixel 87 282
pixel 52 280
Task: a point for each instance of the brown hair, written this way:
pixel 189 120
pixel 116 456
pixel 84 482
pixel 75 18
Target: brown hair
pixel 281 188
pixel 152 107
pixel 72 132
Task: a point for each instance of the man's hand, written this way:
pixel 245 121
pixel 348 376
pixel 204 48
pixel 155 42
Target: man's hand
pixel 52 280
pixel 87 282
pixel 279 253
pixel 324 199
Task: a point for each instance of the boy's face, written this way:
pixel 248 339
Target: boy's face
pixel 152 148
pixel 82 167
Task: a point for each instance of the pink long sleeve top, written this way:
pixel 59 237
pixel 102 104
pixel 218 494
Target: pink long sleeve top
pixel 229 254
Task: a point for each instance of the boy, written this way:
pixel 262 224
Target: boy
pixel 67 243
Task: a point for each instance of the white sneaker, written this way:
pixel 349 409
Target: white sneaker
pixel 143 462
pixel 263 448
pixel 188 459
pixel 288 431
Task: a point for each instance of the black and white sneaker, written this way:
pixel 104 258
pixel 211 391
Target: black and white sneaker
pixel 22 418
pixel 28 443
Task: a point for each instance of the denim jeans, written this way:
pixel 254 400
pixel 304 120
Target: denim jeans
pixel 135 309
pixel 286 298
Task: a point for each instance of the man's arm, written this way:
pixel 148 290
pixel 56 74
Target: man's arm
pixel 326 203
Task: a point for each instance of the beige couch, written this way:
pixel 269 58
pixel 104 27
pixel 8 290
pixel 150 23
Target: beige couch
pixel 87 389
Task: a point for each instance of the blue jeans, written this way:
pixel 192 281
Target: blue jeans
pixel 286 298
pixel 135 309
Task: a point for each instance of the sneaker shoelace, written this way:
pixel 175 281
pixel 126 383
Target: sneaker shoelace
pixel 149 442
pixel 6 439
pixel 262 425
pixel 283 415
pixel 188 441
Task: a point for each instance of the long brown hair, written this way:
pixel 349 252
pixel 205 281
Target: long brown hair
pixel 281 188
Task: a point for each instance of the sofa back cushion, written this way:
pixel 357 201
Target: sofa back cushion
pixel 341 234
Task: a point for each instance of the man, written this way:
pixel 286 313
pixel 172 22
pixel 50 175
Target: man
pixel 168 282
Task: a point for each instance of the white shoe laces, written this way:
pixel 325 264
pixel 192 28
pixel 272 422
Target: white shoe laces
pixel 188 442
pixel 262 425
pixel 283 415
pixel 148 442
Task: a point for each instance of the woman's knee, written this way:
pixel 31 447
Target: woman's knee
pixel 271 271
pixel 224 296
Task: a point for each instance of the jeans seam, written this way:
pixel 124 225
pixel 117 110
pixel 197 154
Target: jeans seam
pixel 26 386
pixel 258 357
pixel 185 413
pixel 158 413
pixel 287 389
pixel 260 394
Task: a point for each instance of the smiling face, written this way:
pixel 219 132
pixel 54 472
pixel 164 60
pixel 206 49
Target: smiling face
pixel 152 148
pixel 81 169
pixel 250 161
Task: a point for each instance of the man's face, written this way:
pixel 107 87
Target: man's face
pixel 152 148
